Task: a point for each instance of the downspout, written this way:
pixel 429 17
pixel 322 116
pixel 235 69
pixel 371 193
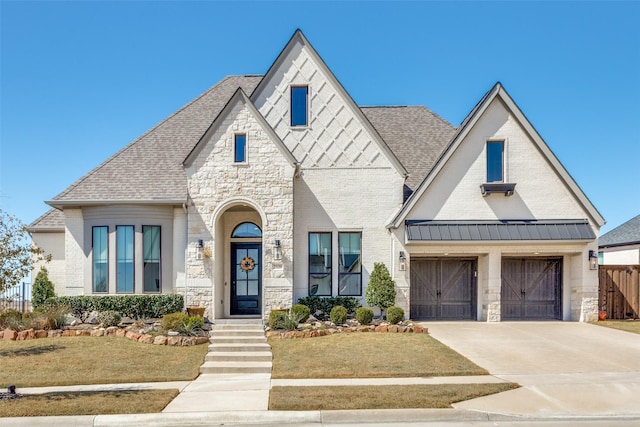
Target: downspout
pixel 186 250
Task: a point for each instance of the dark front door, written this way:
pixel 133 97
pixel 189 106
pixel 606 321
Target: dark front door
pixel 246 278
pixel 443 289
pixel 531 288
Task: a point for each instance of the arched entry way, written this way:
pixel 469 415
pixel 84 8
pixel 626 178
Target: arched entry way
pixel 238 265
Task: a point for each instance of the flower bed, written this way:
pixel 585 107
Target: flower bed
pixel 320 329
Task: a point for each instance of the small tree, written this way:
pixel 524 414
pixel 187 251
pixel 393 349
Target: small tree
pixel 42 288
pixel 16 252
pixel 381 291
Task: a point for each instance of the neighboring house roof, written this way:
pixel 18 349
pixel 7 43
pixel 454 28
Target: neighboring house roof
pixel 415 134
pixel 497 91
pixel 150 168
pixel 50 221
pixel 498 230
pixel 625 234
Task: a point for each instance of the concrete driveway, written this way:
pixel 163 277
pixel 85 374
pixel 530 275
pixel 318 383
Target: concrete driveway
pixel 565 368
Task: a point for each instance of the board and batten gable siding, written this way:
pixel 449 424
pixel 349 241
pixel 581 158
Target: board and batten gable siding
pixel 264 182
pixel 136 216
pixel 540 193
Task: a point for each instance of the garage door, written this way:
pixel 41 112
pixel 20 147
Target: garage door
pixel 443 289
pixel 531 288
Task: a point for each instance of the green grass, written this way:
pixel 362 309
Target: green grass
pixel 88 403
pixel 95 360
pixel 367 355
pixel 623 325
pixel 379 397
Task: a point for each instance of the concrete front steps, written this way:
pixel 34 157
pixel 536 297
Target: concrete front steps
pixel 238 348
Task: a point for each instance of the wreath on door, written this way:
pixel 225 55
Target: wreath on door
pixel 247 264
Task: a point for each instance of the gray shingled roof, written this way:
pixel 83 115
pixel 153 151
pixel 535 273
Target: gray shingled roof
pixel 52 220
pixel 498 230
pixel 150 168
pixel 416 136
pixel 625 234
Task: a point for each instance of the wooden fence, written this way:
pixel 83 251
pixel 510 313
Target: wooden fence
pixel 619 291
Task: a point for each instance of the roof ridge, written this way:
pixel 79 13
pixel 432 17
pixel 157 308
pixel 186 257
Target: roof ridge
pixel 145 134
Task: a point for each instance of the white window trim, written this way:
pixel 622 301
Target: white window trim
pixel 246 148
pixel 505 157
pixel 301 127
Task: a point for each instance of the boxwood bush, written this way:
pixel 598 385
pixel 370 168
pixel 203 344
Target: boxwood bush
pixel 325 305
pixel 299 312
pixel 133 306
pixel 364 315
pixel 395 314
pixel 338 315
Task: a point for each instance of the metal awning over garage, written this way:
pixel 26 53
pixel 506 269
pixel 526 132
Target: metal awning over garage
pixel 498 230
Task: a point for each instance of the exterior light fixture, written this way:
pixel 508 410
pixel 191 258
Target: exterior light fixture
pixel 593 260
pixel 200 249
pixel 402 261
pixel 277 251
pixel 200 244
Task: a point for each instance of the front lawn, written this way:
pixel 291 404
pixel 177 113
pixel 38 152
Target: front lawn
pixel 95 360
pixel 367 355
pixel 623 325
pixel 378 397
pixel 88 403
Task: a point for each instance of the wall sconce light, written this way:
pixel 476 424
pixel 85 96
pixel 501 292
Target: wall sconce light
pixel 402 261
pixel 199 249
pixel 200 244
pixel 593 260
pixel 277 251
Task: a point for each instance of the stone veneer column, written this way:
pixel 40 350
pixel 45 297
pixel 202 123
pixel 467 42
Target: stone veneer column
pixel 73 252
pixel 494 285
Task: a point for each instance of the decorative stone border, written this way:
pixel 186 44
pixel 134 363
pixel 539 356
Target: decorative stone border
pixel 112 331
pixel 311 333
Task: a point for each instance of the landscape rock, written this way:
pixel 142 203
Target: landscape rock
pixel 160 340
pixel 9 335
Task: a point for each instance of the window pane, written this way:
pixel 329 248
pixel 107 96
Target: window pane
pixel 124 256
pixel 299 105
pixel 495 161
pixel 100 259
pixel 247 229
pixel 151 247
pixel 320 264
pixel 350 275
pixel 240 148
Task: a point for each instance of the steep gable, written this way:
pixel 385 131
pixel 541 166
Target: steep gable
pixel 150 168
pixel 544 189
pixel 337 134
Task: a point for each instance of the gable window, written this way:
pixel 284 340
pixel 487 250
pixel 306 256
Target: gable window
pixel 299 105
pixel 350 259
pixel 124 258
pixel 320 264
pixel 247 229
pixel 151 261
pixel 100 244
pixel 240 148
pixel 495 161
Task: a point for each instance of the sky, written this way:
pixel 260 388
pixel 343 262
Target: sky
pixel 79 80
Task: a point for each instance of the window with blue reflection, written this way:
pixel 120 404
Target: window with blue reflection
pixel 124 258
pixel 247 229
pixel 240 148
pixel 495 161
pixel 299 95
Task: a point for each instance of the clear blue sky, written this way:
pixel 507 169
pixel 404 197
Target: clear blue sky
pixel 80 80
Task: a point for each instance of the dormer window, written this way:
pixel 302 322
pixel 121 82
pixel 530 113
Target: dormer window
pixel 240 148
pixel 495 161
pixel 299 105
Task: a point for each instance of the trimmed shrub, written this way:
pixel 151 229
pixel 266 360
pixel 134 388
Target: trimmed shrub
pixel 134 306
pixel 338 315
pixel 109 318
pixel 174 321
pixel 277 319
pixel 381 291
pixel 325 305
pixel 299 312
pixel 395 314
pixel 364 315
pixel 42 289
